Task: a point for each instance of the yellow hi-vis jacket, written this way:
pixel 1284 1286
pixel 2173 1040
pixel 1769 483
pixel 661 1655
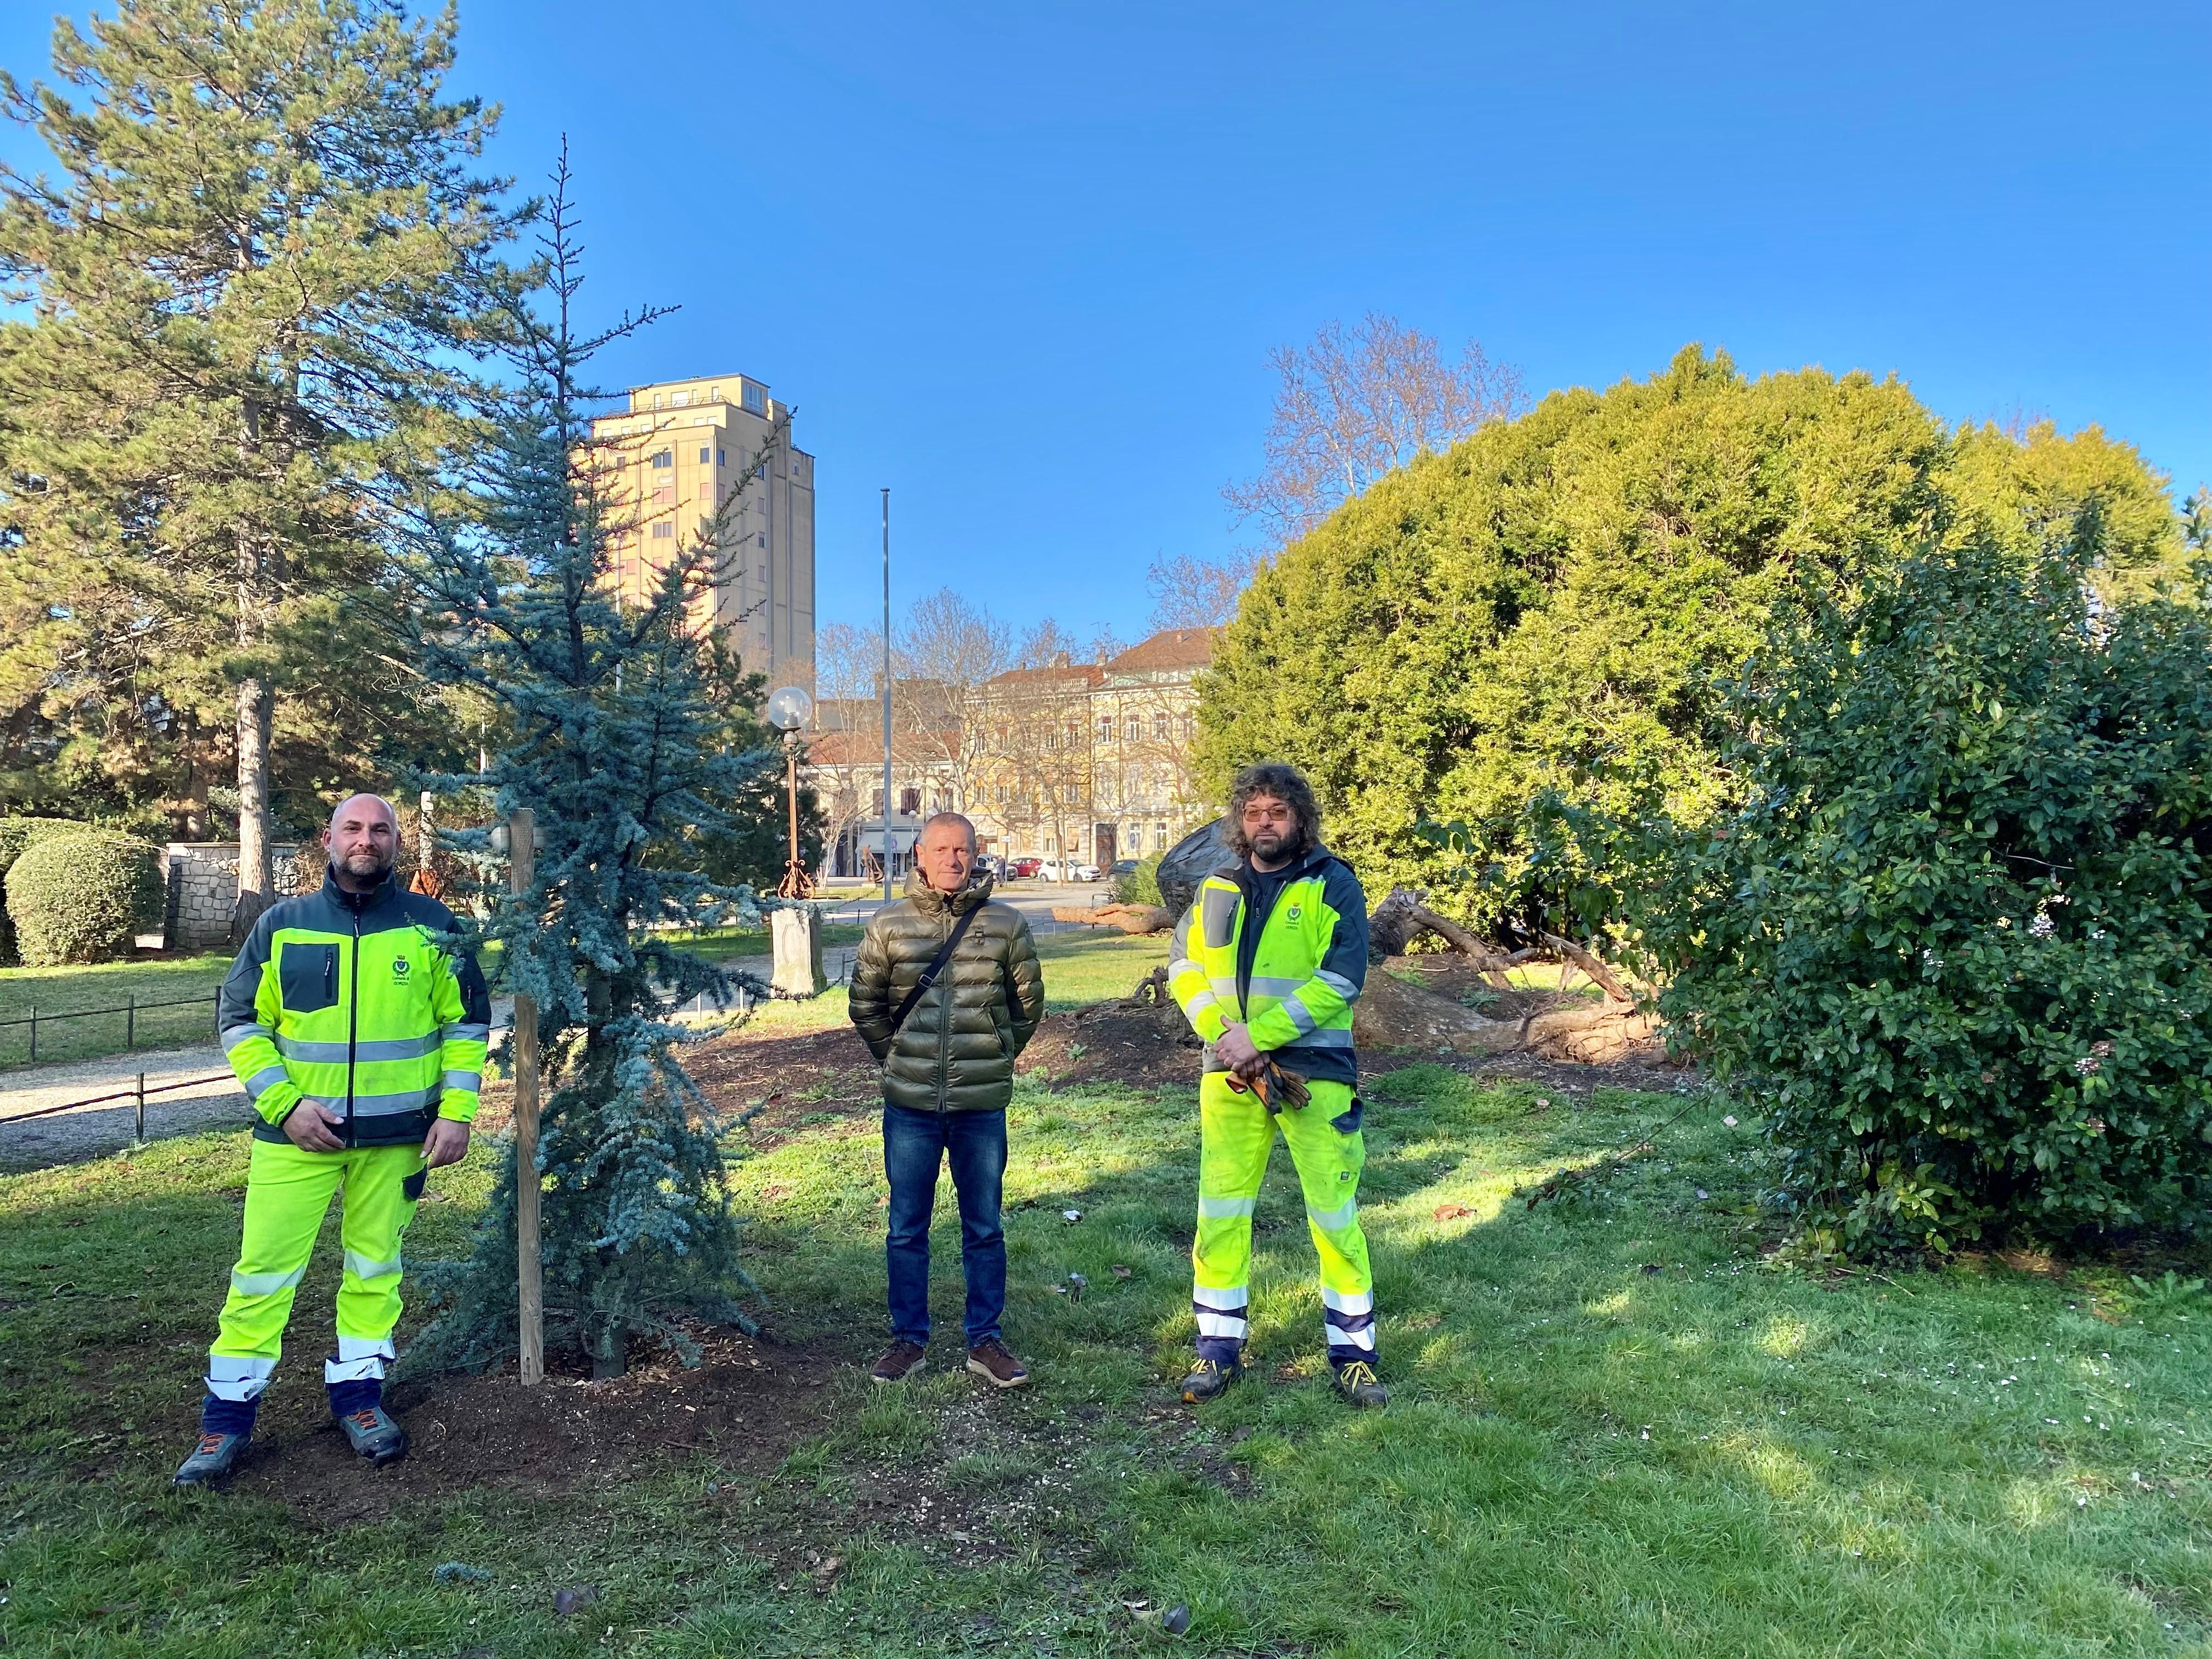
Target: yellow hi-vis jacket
pixel 1291 973
pixel 346 999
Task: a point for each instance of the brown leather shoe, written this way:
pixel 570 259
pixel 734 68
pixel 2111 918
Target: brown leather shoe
pixel 900 1361
pixel 990 1361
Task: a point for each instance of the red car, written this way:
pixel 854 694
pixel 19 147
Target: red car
pixel 1022 869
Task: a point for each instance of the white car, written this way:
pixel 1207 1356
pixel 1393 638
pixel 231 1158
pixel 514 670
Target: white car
pixel 1063 870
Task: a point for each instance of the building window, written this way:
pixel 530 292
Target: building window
pixel 663 531
pixel 677 399
pixel 1159 728
pixel 1186 728
pixel 664 457
pixel 714 394
pixel 1075 734
pixel 753 398
pixel 704 454
pixel 1002 794
pixel 1132 732
pixel 879 803
pixel 909 802
pixel 721 457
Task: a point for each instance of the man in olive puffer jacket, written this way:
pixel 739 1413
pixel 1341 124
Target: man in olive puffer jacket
pixel 948 1074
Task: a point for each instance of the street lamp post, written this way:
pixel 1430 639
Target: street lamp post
pixel 795 930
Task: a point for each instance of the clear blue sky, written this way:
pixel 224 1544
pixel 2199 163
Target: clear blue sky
pixel 1024 264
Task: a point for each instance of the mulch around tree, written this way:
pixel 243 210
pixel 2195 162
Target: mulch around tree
pixel 746 1404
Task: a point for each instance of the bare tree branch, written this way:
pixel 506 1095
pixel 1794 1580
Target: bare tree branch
pixel 1356 403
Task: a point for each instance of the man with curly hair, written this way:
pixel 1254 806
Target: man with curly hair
pixel 1267 964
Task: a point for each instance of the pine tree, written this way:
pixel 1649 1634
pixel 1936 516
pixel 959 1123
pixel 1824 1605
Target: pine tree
pixel 246 282
pixel 633 736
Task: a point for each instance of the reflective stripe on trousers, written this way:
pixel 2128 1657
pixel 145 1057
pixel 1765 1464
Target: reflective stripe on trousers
pixel 1237 1134
pixel 288 1193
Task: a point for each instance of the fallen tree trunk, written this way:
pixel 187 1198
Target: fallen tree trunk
pixel 1129 918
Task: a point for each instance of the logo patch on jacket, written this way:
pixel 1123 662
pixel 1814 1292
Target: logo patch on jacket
pixel 1296 912
pixel 401 968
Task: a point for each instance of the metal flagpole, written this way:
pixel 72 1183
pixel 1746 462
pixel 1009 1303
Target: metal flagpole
pixel 887 694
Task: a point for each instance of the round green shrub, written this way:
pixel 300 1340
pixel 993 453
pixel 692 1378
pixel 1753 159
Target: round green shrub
pixel 1956 939
pixel 83 897
pixel 16 835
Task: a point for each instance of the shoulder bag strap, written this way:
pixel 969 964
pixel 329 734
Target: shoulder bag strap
pixel 936 965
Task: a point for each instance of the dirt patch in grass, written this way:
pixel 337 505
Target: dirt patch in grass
pixel 746 1404
pixel 795 1081
pixel 1149 1045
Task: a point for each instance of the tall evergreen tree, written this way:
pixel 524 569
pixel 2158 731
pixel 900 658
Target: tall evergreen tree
pixel 246 282
pixel 634 739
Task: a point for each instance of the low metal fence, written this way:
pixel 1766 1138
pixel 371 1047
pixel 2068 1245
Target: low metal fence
pixel 136 1094
pixel 130 1011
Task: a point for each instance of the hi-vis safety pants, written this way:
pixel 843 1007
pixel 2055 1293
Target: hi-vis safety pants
pixel 288 1192
pixel 1236 1133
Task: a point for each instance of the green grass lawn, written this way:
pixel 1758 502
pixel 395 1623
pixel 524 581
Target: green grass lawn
pixel 191 979
pixel 1613 1431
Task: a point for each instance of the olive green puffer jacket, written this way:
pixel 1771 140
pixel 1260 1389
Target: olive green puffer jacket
pixel 956 1052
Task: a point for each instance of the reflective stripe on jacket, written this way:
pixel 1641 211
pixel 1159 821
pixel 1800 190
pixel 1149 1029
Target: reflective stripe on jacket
pixel 1308 970
pixel 956 1052
pixel 346 999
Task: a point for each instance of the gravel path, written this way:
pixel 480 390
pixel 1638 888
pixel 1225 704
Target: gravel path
pixel 210 1099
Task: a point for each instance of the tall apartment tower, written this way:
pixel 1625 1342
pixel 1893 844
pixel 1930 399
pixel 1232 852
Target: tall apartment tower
pixel 683 448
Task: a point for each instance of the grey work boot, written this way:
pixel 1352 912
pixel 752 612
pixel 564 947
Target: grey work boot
pixel 1357 1381
pixel 372 1432
pixel 1208 1379
pixel 211 1461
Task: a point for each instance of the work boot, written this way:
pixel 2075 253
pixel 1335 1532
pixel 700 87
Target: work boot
pixel 211 1461
pixel 900 1361
pixel 990 1360
pixel 1356 1381
pixel 373 1434
pixel 1209 1379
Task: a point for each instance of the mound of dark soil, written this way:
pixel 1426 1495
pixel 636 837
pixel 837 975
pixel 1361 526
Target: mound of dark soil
pixel 746 1404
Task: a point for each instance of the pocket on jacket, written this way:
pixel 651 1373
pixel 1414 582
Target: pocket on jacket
pixel 307 974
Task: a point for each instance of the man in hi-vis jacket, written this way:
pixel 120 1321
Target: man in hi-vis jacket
pixel 1267 962
pixel 360 1039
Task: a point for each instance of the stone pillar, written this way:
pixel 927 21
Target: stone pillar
pixel 796 932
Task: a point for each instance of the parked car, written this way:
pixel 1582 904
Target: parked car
pixel 1022 869
pixel 1068 870
pixel 1121 867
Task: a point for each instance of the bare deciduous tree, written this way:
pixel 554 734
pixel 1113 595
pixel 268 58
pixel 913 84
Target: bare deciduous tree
pixel 1356 403
pixel 945 653
pixel 1190 592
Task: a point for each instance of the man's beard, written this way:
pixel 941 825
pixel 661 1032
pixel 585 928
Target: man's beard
pixel 365 861
pixel 1269 844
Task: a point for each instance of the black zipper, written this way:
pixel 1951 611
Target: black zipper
pixel 944 1021
pixel 353 1018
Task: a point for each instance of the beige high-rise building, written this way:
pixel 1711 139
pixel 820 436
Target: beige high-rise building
pixel 687 450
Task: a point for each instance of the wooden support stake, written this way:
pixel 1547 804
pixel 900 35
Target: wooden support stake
pixel 522 849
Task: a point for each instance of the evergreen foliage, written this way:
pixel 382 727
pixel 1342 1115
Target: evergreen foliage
pixel 83 897
pixel 1551 604
pixel 1956 935
pixel 631 735
pixel 16 835
pixel 243 288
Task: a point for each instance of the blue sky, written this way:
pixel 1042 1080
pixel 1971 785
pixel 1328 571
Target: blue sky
pixel 1024 264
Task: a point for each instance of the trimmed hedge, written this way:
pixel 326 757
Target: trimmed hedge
pixel 83 897
pixel 16 835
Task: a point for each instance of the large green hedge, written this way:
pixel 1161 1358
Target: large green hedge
pixel 83 897
pixel 1552 603
pixel 16 835
pixel 1955 940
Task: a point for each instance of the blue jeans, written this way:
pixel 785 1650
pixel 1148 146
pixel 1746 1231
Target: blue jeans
pixel 915 1145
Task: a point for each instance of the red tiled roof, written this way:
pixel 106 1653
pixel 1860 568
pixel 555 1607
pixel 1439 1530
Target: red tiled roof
pixel 1170 648
pixel 859 747
pixel 1090 673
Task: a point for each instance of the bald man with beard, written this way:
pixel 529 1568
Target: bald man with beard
pixel 359 1034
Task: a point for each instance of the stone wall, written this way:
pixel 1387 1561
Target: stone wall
pixel 203 884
